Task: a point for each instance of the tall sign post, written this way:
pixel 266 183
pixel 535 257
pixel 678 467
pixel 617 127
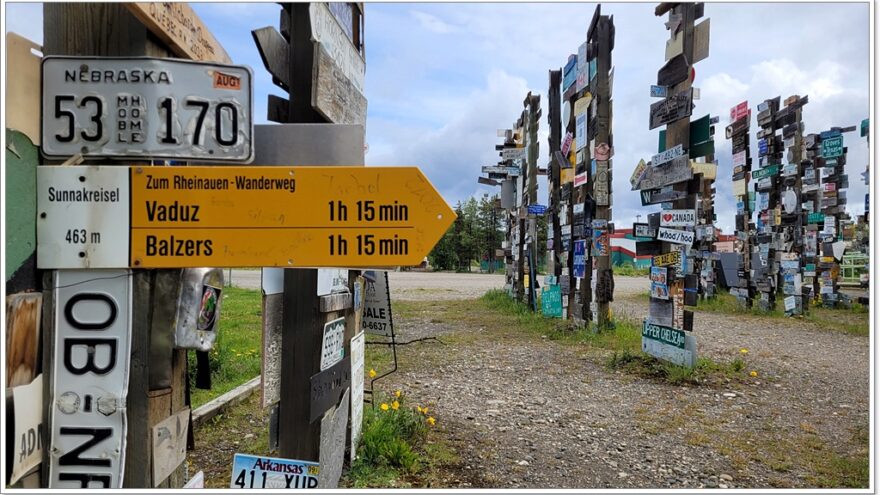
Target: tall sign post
pixel 670 179
pixel 795 294
pixel 145 300
pixel 600 73
pixel 554 121
pixel 768 236
pixel 738 133
pixel 531 115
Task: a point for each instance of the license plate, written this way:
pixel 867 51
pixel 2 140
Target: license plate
pixel 90 378
pixel 250 471
pixel 146 108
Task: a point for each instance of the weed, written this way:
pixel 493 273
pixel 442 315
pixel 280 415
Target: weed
pixel 630 270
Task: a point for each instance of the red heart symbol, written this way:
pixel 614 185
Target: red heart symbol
pixel 667 217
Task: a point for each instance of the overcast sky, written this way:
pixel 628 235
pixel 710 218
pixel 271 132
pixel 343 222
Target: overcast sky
pixel 442 78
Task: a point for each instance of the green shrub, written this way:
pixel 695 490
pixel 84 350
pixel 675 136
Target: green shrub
pixel 391 437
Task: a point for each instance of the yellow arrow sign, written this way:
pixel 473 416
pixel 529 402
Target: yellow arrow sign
pixel 283 216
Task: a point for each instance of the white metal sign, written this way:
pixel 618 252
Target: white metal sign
pixel 79 226
pixel 333 344
pixel 665 156
pixel 513 154
pixel 332 280
pixel 675 236
pixel 146 107
pixel 90 378
pixel 678 218
pixel 377 304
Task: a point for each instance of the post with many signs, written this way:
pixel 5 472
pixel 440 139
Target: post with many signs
pixel 738 133
pixel 768 237
pixel 831 238
pixel 124 405
pixel 318 58
pixel 530 116
pixel 669 178
pixel 790 119
pixel 600 74
pixel 554 121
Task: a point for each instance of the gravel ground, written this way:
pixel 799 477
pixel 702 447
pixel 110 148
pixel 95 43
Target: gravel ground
pixel 532 413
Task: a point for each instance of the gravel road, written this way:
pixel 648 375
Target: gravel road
pixel 532 413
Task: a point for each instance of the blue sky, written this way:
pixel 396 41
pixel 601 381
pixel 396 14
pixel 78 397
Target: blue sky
pixel 442 78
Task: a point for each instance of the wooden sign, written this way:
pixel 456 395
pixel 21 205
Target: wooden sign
pixel 176 217
pixel 661 195
pixel 328 386
pixel 671 109
pixel 601 184
pixel 674 45
pixel 701 41
pixel 169 445
pixel 709 171
pixel 673 72
pixel 637 173
pixel 677 170
pixel 338 71
pixel 181 29
pixel 274 51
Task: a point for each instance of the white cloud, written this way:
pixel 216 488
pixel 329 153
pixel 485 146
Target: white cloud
pixel 432 23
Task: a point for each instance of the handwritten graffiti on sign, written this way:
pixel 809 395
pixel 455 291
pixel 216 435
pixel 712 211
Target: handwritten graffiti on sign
pixel 677 170
pixel 601 190
pixel 675 236
pixel 671 109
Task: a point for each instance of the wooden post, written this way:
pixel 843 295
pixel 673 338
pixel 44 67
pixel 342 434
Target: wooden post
pixel 768 237
pixel 555 139
pixel 738 133
pixel 111 30
pixel 601 35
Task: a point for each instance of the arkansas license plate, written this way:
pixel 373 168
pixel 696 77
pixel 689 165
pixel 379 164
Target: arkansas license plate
pixel 146 108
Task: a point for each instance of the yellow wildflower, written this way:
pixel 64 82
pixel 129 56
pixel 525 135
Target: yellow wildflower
pixel 372 373
pixel 425 410
pixel 384 407
pixel 753 374
pixel 397 394
pixel 419 408
pixel 431 420
pixel 395 405
pixel 743 351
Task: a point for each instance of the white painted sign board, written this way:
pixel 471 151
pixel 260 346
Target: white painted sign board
pixel 90 378
pixel 92 219
pixel 27 452
pixel 377 318
pixel 675 236
pixel 678 218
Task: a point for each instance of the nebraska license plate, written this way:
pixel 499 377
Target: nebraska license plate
pixel 146 108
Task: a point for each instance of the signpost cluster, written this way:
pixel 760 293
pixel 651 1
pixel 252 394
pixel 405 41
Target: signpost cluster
pixel 768 238
pixel 680 178
pixel 738 133
pixel 796 295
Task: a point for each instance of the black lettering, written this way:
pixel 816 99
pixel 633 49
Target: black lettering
pixel 85 479
pixel 69 76
pixel 90 296
pixel 73 458
pixel 90 366
pixel 151 245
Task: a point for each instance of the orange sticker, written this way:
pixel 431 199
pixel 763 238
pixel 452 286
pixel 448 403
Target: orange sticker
pixel 226 81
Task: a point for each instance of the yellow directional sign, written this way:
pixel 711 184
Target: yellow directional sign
pixel 284 216
pixel 178 217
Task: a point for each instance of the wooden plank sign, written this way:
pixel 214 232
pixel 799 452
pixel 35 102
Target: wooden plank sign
pixel 671 109
pixel 677 170
pixel 674 71
pixel 180 28
pixel 637 173
pixel 701 41
pixel 339 70
pixel 225 216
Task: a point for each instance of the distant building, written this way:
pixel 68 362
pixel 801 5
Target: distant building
pixel 623 248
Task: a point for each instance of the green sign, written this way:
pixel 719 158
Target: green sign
pixel 832 147
pixel 815 218
pixel 699 137
pixel 551 301
pixel 863 131
pixel 765 172
pixel 666 335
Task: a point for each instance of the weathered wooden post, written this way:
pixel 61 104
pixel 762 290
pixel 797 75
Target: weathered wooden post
pixel 600 42
pixel 319 58
pixel 668 179
pixel 531 114
pixel 156 371
pixel 768 235
pixel 554 121
pixel 795 301
pixel 738 133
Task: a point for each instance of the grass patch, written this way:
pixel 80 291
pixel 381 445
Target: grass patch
pixel 236 355
pixel 630 270
pixel 393 448
pixel 706 372
pixel 852 320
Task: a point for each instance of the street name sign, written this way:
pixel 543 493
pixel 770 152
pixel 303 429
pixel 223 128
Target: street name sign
pixel 832 147
pixel 665 156
pixel 146 108
pixel 179 217
pixel 667 343
pixel 496 169
pixel 765 172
